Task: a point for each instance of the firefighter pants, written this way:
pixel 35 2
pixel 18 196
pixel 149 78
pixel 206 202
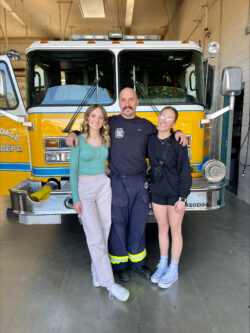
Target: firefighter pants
pixel 95 195
pixel 130 201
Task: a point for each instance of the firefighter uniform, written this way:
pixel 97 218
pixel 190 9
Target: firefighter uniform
pixel 129 138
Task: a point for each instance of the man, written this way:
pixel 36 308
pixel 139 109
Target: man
pixel 129 137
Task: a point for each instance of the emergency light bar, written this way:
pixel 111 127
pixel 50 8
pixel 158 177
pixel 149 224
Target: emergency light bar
pixel 115 35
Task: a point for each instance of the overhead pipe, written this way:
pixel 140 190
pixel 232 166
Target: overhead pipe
pixel 205 7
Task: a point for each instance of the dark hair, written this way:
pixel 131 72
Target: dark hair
pixel 173 109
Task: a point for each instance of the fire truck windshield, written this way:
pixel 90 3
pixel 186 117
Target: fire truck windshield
pixel 165 77
pixel 64 77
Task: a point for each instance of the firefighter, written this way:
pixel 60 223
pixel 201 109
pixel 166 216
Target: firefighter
pixel 129 137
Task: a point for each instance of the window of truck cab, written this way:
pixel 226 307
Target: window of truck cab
pixel 64 77
pixel 10 101
pixel 164 76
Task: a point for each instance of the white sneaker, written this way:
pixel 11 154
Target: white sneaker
pixel 161 270
pixel 96 283
pixel 122 294
pixel 167 280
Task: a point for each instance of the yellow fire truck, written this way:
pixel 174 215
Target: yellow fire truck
pixel 63 77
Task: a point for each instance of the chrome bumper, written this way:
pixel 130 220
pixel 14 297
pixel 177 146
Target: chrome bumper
pixel 203 196
pixel 46 212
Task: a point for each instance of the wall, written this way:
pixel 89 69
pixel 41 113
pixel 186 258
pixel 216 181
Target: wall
pixel 18 44
pixel 227 21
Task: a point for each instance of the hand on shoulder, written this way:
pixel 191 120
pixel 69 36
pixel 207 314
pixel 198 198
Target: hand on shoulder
pixel 181 138
pixel 72 139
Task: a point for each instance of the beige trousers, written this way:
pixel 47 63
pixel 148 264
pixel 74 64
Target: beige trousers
pixel 95 195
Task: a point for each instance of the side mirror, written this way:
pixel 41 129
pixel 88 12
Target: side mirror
pixel 13 55
pixel 213 48
pixel 192 81
pixel 3 89
pixel 231 81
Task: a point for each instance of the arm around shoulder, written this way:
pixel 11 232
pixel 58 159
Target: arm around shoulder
pixel 74 166
pixel 184 171
pixel 181 137
pixel 72 138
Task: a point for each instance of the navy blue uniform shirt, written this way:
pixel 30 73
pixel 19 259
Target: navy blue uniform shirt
pixel 129 139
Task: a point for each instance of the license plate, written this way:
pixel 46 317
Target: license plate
pixel 197 200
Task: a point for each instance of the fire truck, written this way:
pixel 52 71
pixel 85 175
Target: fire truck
pixel 64 77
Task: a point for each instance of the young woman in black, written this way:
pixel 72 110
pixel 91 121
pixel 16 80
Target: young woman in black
pixel 170 185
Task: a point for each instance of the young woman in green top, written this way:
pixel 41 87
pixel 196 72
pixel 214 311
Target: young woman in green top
pixel 91 193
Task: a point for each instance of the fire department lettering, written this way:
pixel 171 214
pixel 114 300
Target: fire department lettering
pixel 10 134
pixel 10 148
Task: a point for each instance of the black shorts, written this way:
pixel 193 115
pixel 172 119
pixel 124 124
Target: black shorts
pixel 170 201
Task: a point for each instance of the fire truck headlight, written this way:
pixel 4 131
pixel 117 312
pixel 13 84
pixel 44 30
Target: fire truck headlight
pixel 57 156
pixel 213 48
pixel 214 171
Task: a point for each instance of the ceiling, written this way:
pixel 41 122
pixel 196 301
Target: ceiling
pixel 58 19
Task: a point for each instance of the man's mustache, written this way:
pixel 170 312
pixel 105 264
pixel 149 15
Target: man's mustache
pixel 127 107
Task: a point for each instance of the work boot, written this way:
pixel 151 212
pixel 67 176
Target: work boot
pixel 123 275
pixel 143 271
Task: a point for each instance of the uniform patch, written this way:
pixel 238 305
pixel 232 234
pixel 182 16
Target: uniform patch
pixel 119 133
pixel 146 185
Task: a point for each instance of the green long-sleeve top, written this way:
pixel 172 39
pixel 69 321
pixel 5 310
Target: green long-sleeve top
pixel 86 159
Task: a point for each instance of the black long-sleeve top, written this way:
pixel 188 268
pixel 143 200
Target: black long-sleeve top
pixel 177 179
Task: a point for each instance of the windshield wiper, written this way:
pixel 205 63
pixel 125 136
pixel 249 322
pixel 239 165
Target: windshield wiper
pixel 137 85
pixel 93 87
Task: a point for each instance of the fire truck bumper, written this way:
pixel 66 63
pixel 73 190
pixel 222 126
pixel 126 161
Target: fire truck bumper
pixel 205 196
pixel 49 211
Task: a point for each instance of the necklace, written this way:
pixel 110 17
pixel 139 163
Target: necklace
pixel 163 141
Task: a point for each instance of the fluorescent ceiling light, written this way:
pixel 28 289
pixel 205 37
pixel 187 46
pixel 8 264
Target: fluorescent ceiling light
pixel 92 8
pixel 12 12
pixel 129 13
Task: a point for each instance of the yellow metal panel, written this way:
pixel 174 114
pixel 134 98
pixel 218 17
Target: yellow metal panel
pixel 9 179
pixel 14 154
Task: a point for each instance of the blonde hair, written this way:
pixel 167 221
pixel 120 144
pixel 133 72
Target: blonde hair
pixel 104 131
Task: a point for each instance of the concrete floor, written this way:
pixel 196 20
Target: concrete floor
pixel 46 284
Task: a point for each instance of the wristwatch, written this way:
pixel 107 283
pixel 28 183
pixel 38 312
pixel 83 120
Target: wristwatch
pixel 183 199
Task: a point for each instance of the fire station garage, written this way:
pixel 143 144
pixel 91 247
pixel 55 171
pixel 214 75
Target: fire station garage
pixel 91 236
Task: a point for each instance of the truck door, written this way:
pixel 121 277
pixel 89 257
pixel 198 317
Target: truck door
pixel 14 148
